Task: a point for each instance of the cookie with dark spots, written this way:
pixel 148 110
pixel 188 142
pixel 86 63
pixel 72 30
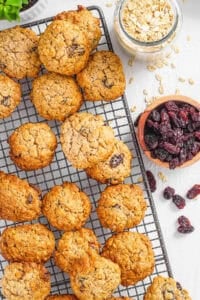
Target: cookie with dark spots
pixel 18 52
pixel 19 201
pixel 86 140
pixel 164 288
pixel 103 78
pixel 61 297
pixel 64 48
pixel 121 207
pixel 32 146
pixel 115 168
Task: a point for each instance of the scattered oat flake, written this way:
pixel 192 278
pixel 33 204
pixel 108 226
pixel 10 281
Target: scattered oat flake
pixel 131 60
pixel 161 89
pixel 109 4
pixel 173 66
pixel 162 177
pixel 175 49
pixel 188 38
pixel 151 68
pixel 181 79
pixel 139 179
pixel 168 55
pixel 145 92
pixel 191 81
pixel 158 77
pixel 177 92
pixel 131 80
pixel 133 108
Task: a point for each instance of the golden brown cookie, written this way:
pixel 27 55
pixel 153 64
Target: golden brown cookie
pixel 115 168
pixel 103 78
pixel 66 207
pixel 10 96
pixel 73 246
pixel 18 52
pixel 61 297
pixel 166 288
pixel 32 146
pixel 120 298
pixel 63 48
pixel 86 22
pixel 86 140
pixel 26 281
pixel 121 207
pixel 95 278
pixel 56 96
pixel 18 200
pixel 27 243
pixel 133 252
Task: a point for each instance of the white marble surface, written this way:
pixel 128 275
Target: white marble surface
pixel 183 250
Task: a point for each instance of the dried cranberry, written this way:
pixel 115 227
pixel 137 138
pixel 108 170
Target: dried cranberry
pixel 153 125
pixel 197 135
pixel 178 201
pixel 184 221
pixel 174 118
pixel 178 285
pixel 155 116
pixel 183 155
pixel 183 229
pixel 164 115
pixel 116 160
pixel 151 180
pixel 194 191
pixel 160 154
pixel 151 140
pixel 168 192
pixel 173 163
pixel 196 116
pixel 171 105
pixel 171 148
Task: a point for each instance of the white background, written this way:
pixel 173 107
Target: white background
pixel 183 250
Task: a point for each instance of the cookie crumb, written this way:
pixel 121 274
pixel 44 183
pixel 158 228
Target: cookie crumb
pixel 162 177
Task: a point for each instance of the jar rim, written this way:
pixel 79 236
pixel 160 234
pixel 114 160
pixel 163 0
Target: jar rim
pixel 178 18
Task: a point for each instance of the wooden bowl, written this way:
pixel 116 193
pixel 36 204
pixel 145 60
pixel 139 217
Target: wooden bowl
pixel 143 119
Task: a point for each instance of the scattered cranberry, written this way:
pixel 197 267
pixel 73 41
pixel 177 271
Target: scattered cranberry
pixel 168 192
pixel 194 191
pixel 151 180
pixel 178 285
pixel 187 229
pixel 178 201
pixel 184 221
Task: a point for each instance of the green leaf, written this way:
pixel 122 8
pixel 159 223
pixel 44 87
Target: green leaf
pixel 16 3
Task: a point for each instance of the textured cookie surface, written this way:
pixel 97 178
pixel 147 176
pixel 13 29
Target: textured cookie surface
pixel 61 297
pixel 32 146
pixel 133 252
pixel 18 200
pixel 73 246
pixel 27 243
pixel 25 281
pixel 95 278
pixel 18 52
pixel 86 140
pixel 10 96
pixel 103 77
pixel 164 288
pixel 120 298
pixel 86 22
pixel 115 168
pixel 56 96
pixel 63 48
pixel 121 207
pixel 66 207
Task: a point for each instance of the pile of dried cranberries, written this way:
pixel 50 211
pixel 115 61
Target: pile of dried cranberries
pixel 172 133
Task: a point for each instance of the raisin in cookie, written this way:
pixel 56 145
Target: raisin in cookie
pixel 63 48
pixel 25 281
pixel 56 96
pixel 133 252
pixel 66 207
pixel 95 278
pixel 73 246
pixel 18 200
pixel 32 146
pixel 14 241
pixel 121 207
pixel 10 96
pixel 86 22
pixel 115 168
pixel 18 52
pixel 103 77
pixel 86 140
pixel 61 297
pixel 166 288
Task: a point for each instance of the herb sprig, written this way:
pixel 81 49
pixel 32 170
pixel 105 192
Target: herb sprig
pixel 9 9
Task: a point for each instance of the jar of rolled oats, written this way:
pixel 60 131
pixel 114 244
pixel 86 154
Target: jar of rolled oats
pixel 147 26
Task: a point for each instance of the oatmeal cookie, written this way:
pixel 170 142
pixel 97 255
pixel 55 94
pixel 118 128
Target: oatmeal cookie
pixel 121 207
pixel 86 22
pixel 120 298
pixel 115 168
pixel 166 288
pixel 133 252
pixel 18 52
pixel 103 78
pixel 18 200
pixel 66 207
pixel 73 246
pixel 27 243
pixel 86 140
pixel 95 278
pixel 10 96
pixel 32 146
pixel 61 297
pixel 56 96
pixel 63 48
pixel 26 281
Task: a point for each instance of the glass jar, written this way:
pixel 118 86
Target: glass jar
pixel 144 48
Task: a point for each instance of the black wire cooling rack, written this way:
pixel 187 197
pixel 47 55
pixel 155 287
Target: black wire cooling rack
pixel 117 114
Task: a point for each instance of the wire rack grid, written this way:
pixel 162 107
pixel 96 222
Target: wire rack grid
pixel 117 114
